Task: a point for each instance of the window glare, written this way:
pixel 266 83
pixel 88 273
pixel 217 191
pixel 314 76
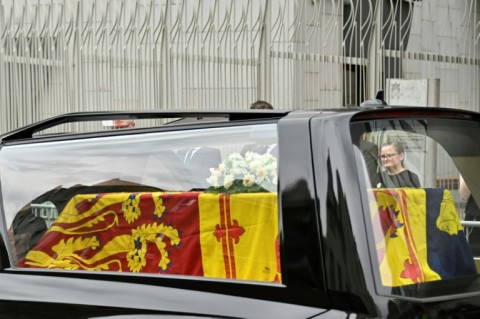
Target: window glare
pixel 149 203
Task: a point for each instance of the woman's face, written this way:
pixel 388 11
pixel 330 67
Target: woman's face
pixel 391 159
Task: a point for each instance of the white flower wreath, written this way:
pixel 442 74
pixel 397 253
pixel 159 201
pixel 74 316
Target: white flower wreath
pixel 249 174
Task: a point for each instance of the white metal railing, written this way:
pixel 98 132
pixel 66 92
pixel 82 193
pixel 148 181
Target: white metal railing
pixel 467 223
pixel 70 55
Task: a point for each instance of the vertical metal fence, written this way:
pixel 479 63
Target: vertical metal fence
pixel 65 56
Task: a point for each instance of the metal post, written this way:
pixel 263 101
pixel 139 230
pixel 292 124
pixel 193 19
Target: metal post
pixel 264 72
pixel 374 69
pixel 433 100
pixel 166 59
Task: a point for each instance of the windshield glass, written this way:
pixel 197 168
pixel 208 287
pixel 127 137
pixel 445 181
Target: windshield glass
pixel 422 181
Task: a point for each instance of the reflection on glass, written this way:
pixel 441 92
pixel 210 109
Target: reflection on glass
pixel 149 203
pixel 412 168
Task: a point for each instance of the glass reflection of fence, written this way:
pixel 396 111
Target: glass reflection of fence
pixel 46 211
pixel 468 223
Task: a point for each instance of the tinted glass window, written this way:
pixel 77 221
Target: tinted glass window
pixel 197 202
pixel 422 238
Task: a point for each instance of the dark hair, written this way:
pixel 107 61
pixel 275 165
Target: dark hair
pixel 261 105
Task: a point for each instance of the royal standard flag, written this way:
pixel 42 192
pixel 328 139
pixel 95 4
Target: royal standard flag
pixel 137 232
pixel 239 236
pixel 418 236
pixel 448 252
pixel 213 235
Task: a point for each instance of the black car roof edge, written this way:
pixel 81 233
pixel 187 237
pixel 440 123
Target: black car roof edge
pixel 28 131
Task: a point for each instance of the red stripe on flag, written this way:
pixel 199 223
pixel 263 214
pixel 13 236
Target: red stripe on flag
pixel 229 233
pixel 413 269
pixel 230 238
pixel 221 233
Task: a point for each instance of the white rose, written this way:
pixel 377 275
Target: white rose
pixel 249 155
pixel 215 172
pixel 248 180
pixel 228 181
pixel 261 174
pixel 235 157
pixel 213 180
pixel 254 165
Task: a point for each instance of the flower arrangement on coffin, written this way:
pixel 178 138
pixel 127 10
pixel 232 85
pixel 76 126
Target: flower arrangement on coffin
pixel 251 173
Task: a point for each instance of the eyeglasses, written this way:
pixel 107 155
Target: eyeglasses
pixel 388 156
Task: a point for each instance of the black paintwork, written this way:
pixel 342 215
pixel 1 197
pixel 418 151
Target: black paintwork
pixel 326 264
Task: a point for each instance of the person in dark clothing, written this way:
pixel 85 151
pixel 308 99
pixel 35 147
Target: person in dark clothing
pixel 395 174
pixel 472 213
pixel 370 155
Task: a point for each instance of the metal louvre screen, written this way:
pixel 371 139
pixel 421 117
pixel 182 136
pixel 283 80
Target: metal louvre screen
pixel 66 56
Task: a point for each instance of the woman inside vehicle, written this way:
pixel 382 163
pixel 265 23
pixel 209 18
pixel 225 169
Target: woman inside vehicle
pixel 395 175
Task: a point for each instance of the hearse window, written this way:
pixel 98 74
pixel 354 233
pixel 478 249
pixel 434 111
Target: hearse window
pixel 197 202
pixel 421 242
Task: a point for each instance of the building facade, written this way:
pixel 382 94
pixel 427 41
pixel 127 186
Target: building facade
pixel 60 56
